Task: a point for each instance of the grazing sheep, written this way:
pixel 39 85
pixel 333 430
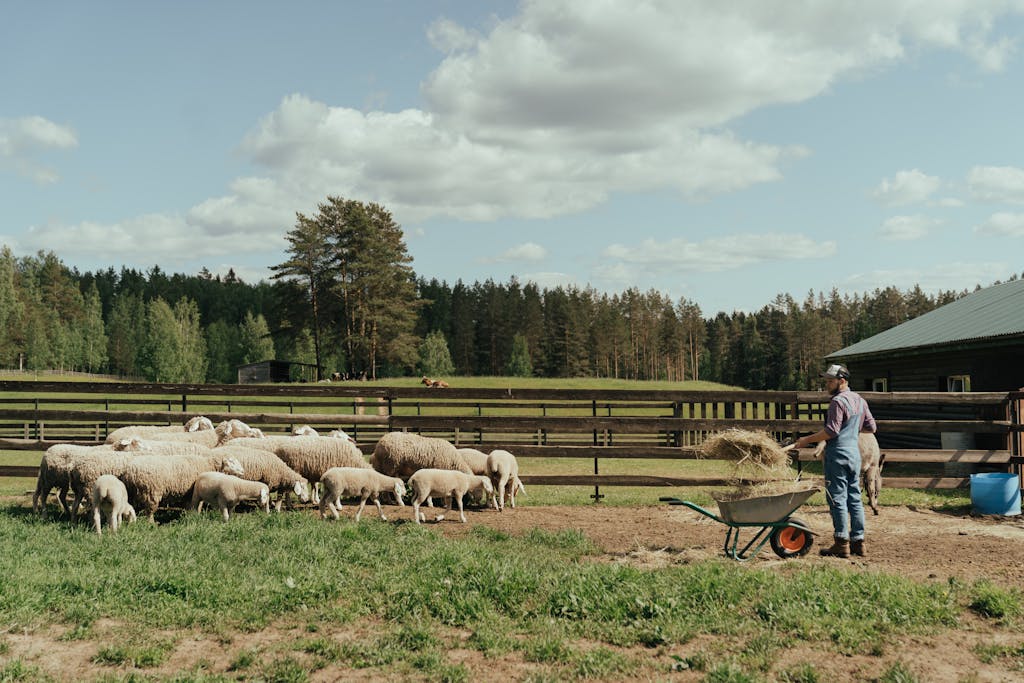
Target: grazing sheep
pixel 152 478
pixel 110 498
pixel 310 456
pixel 871 462
pixel 226 491
pixel 477 461
pixel 55 472
pixel 365 482
pixel 195 424
pixel 503 469
pixel 450 484
pixel 264 466
pixel 399 454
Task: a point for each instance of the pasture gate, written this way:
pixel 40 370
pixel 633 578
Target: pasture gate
pixel 592 425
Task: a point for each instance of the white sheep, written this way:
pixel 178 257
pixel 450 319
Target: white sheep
pixel 110 498
pixel 477 461
pixel 226 491
pixel 195 424
pixel 87 468
pixel 305 430
pixel 503 469
pixel 235 429
pixel 310 456
pixel 264 466
pixel 364 482
pixel 450 484
pixel 870 466
pixel 340 434
pixel 400 454
pixel 55 472
pixel 152 478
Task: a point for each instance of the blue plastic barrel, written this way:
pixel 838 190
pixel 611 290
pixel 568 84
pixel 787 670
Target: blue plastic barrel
pixel 995 493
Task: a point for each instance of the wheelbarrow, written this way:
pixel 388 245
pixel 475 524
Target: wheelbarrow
pixel 789 536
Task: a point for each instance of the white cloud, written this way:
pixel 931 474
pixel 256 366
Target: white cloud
pixel 997 184
pixel 528 251
pixel 23 138
pixel 906 228
pixel 943 277
pixel 718 253
pixel 1002 224
pixel 906 188
pixel 950 203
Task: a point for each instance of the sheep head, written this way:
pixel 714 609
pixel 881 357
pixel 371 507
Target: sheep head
pixel 305 430
pixel 400 491
pixel 232 466
pixel 132 443
pixel 301 489
pixel 341 434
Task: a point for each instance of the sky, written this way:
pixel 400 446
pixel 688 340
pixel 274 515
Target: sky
pixel 719 152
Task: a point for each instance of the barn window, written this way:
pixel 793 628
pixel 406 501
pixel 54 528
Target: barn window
pixel 958 383
pixel 880 384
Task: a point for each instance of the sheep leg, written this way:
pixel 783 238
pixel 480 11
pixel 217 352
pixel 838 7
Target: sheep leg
pixel 115 519
pixel 97 521
pixel 225 512
pixel 416 511
pixel 380 508
pixel 462 513
pixel 362 505
pixel 38 494
pixel 63 498
pixel 447 509
pixel 502 487
pixel 79 496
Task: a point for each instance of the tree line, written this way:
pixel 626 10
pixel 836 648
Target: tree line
pixel 346 300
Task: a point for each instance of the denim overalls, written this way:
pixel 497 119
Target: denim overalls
pixel 842 473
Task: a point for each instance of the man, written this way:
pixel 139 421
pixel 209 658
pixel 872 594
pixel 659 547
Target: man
pixel 848 415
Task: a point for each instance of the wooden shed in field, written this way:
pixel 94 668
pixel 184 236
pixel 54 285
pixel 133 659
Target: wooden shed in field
pixel 276 371
pixel 975 343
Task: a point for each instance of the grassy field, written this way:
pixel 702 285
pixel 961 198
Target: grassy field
pixel 405 596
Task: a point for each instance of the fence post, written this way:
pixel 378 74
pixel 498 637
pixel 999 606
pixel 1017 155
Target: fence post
pixel 597 489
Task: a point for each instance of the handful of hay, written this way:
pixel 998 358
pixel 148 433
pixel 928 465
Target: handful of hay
pixel 746 448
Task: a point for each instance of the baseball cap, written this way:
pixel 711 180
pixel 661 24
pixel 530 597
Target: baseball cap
pixel 836 372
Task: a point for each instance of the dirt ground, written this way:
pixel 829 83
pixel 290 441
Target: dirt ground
pixel 918 543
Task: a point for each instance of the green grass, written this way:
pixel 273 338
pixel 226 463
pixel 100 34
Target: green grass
pixel 539 596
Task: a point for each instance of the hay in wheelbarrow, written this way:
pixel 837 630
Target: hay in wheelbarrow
pixel 747 448
pixel 763 489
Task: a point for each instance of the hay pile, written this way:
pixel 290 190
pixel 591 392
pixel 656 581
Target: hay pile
pixel 754 455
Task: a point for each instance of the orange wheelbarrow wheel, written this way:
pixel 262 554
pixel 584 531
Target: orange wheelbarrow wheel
pixel 791 541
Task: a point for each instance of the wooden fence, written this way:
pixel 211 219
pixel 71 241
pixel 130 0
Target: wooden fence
pixel 595 425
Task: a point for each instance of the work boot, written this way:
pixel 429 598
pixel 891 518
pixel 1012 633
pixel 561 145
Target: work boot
pixel 840 548
pixel 857 548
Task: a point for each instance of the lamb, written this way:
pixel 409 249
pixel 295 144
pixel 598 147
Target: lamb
pixel 450 484
pixel 110 498
pixel 87 468
pixel 305 430
pixel 152 478
pixel 399 454
pixel 263 466
pixel 503 469
pixel 226 491
pixel 195 424
pixel 55 472
pixel 871 461
pixel 366 482
pixel 477 461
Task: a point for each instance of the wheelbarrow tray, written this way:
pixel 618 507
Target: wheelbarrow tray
pixel 764 509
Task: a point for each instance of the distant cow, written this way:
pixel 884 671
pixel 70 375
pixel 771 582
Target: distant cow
pixel 434 383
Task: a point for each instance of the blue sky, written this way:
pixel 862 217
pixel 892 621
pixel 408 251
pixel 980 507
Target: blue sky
pixel 719 152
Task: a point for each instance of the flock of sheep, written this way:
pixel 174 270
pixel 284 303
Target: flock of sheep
pixel 138 468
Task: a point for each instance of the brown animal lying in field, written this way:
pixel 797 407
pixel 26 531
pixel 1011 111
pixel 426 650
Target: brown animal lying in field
pixel 434 383
pixel 871 460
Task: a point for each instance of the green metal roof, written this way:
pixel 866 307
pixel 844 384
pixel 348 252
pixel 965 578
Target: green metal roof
pixel 996 311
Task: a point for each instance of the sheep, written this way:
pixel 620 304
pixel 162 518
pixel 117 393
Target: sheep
pixel 477 461
pixel 340 434
pixel 152 478
pixel 503 469
pixel 110 498
pixel 367 483
pixel 450 484
pixel 871 461
pixel 206 437
pixel 399 454
pixel 305 430
pixel 263 466
pixel 226 491
pixel 235 429
pixel 310 456
pixel 55 472
pixel 195 424
pixel 87 468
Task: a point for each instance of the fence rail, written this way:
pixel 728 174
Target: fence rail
pixel 598 425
